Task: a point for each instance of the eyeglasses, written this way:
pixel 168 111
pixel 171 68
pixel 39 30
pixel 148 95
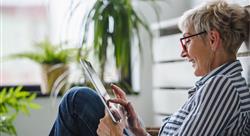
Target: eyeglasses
pixel 186 40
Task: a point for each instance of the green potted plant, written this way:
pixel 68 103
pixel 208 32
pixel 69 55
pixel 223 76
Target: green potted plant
pixel 115 23
pixel 54 61
pixel 12 102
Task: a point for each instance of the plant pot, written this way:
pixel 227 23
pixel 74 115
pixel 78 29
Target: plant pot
pixel 54 78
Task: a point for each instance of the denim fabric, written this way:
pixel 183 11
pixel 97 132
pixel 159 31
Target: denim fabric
pixel 79 113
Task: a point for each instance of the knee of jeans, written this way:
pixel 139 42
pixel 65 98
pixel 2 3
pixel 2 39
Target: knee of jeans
pixel 82 92
pixel 80 99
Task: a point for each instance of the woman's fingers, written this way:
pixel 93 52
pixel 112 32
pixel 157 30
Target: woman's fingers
pixel 127 105
pixel 116 114
pixel 103 129
pixel 119 101
pixel 131 110
pixel 107 127
pixel 132 119
pixel 119 93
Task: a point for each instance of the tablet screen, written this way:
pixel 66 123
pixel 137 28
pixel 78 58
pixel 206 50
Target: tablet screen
pixel 100 89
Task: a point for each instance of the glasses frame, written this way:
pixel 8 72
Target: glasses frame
pixel 183 38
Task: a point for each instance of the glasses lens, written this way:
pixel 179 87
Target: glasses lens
pixel 183 44
pixel 186 40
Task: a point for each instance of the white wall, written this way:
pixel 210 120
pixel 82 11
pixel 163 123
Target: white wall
pixel 143 103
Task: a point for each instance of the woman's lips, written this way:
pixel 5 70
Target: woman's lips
pixel 192 61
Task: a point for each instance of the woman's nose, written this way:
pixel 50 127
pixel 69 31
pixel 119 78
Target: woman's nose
pixel 184 53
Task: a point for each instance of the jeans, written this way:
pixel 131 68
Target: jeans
pixel 79 113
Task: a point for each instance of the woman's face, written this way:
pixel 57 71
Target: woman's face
pixel 197 52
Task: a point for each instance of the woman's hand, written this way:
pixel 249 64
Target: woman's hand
pixel 107 127
pixel 132 118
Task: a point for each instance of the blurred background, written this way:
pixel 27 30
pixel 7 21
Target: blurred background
pixel 159 91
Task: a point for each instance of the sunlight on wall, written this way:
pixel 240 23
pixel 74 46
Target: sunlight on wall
pixel 21 26
pixel 24 23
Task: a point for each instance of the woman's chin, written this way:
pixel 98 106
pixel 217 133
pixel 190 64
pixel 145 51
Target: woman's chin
pixel 197 73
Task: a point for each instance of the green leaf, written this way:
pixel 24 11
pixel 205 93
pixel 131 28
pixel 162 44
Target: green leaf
pixel 46 53
pixel 25 110
pixel 3 95
pixel 34 106
pixel 6 124
pixel 3 108
pixel 11 92
pixel 18 89
pixel 32 97
pixel 15 101
pixel 22 94
pixel 125 27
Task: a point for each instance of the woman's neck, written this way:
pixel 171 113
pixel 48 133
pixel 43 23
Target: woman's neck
pixel 221 57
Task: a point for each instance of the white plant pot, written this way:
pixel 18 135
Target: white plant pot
pixel 54 78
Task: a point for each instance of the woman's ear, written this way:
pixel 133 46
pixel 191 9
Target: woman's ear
pixel 214 39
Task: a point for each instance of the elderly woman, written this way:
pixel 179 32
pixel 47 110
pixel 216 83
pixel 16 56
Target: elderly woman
pixel 219 104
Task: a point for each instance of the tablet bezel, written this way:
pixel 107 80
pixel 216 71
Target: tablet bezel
pixel 98 85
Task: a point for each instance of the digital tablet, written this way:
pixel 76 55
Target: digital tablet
pixel 100 89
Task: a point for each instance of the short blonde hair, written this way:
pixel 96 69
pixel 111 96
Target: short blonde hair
pixel 230 20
